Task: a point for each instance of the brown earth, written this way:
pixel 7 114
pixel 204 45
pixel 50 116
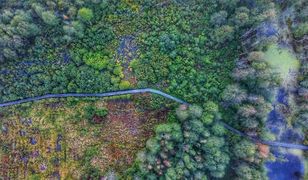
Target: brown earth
pixel 124 134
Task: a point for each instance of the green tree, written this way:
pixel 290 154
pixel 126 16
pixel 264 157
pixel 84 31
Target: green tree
pixel 247 111
pixel 118 71
pixel 23 25
pixel 96 60
pixel 152 145
pixel 218 129
pixel 301 30
pixel 73 30
pixel 49 18
pixel 302 120
pixel 170 174
pixel 246 172
pixel 216 162
pixel 38 9
pixel 9 54
pixel 250 123
pixel 125 84
pixel 207 119
pixel 211 107
pixel 234 94
pixel 85 14
pixel 195 111
pixel 219 18
pixel 6 16
pixel 223 34
pixel 244 149
pixel 182 113
pixel 241 17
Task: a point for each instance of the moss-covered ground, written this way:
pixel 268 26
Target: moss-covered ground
pixel 282 60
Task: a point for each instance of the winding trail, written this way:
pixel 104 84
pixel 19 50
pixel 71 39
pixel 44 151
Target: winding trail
pixel 107 94
pixel 270 143
pixel 149 90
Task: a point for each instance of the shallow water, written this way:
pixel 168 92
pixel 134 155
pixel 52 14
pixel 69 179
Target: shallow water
pixel 288 165
pixel 292 166
pixel 292 169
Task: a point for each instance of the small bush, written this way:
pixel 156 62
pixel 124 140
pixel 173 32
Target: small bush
pixel 301 30
pixel 85 14
pixel 96 60
pixel 94 115
pixel 124 85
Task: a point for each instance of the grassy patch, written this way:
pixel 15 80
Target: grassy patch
pixel 50 139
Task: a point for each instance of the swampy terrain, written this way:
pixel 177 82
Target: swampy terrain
pixel 161 89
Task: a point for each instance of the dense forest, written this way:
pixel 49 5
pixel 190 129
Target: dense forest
pixel 209 53
pixel 299 29
pixel 68 46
